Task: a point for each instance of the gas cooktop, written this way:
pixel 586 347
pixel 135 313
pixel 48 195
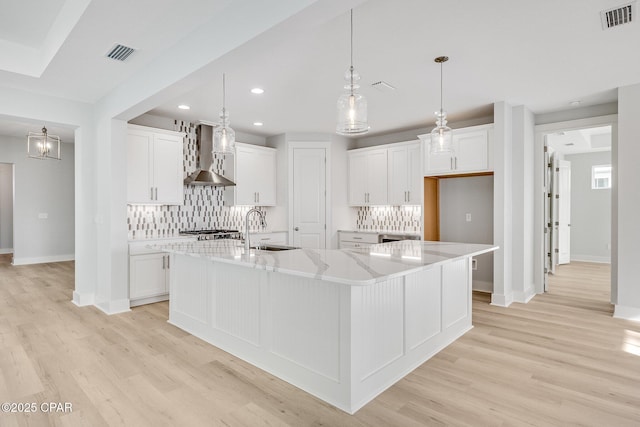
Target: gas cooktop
pixel 212 234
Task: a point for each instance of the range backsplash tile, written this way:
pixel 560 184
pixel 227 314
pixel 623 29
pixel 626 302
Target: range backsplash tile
pixel 203 205
pixel 405 219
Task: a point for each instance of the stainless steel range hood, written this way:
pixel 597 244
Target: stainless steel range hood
pixel 204 175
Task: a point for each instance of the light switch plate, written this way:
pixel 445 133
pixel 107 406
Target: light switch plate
pixel 468 217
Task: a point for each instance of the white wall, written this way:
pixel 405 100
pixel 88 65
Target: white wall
pixel 590 210
pixel 41 187
pixel 626 296
pixel 6 208
pixel 474 196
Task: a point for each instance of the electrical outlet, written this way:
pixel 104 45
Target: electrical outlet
pixel 474 264
pixel 468 217
pixel 43 216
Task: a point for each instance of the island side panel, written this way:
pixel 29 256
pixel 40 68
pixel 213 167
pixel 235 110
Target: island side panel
pixel 435 307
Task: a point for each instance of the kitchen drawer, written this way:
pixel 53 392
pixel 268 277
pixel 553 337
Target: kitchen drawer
pixel 277 238
pixel 358 237
pixel 353 245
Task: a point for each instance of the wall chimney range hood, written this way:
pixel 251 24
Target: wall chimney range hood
pixel 204 174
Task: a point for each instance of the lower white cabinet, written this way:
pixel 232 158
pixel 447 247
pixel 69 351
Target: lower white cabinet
pixel 149 271
pixel 351 240
pixel 148 276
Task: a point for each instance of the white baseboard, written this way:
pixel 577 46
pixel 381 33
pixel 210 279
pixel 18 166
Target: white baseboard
pixel 6 251
pixel 626 312
pixel 524 296
pixel 114 307
pixel 43 260
pixel 482 286
pixel 82 300
pixel 591 258
pixel 501 300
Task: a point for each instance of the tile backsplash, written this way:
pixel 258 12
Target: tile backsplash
pixel 404 219
pixel 203 205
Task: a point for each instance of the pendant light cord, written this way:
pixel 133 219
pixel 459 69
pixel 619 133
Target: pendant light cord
pixel 351 67
pixel 441 107
pixel 224 92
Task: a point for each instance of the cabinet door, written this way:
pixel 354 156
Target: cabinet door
pixel 438 163
pixel 167 169
pixel 377 177
pixel 414 178
pixel 139 169
pixel 147 275
pixel 472 151
pixel 265 177
pixel 398 175
pixel 357 178
pixel 247 174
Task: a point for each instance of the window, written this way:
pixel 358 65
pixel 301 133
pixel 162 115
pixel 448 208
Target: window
pixel 600 177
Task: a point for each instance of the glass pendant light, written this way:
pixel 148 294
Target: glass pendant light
pixel 352 106
pixel 43 145
pixel 224 138
pixel 441 135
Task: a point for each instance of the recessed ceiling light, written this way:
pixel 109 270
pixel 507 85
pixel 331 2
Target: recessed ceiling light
pixel 574 103
pixel 257 90
pixel 258 123
pixel 184 107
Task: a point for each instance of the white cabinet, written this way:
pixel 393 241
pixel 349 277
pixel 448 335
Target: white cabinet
pixel 154 166
pixel 254 172
pixel 149 272
pixel 405 186
pixel 368 177
pixel 274 238
pixel 473 152
pixel 148 276
pixel 352 240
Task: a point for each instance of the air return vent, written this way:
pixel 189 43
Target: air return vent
pixel 120 52
pixel 383 86
pixel 618 16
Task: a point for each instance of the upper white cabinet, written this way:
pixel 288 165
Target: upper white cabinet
pixel 473 152
pixel 254 172
pixel 405 186
pixel 154 166
pixel 368 177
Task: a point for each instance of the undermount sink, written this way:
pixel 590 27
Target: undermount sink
pixel 274 248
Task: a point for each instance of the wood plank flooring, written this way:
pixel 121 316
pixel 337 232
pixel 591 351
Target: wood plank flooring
pixel 559 360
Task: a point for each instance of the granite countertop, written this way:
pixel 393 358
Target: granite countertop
pixel 362 266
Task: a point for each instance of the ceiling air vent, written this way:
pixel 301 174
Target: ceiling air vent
pixel 383 86
pixel 618 16
pixel 120 52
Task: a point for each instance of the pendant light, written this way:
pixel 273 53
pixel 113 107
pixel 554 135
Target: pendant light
pixel 352 106
pixel 441 134
pixel 224 138
pixel 43 146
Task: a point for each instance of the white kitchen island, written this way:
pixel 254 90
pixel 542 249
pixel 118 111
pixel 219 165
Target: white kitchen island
pixel 343 325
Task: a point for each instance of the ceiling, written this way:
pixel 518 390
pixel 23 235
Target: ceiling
pixel 581 141
pixel 543 54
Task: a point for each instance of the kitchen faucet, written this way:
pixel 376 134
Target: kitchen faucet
pixel 263 223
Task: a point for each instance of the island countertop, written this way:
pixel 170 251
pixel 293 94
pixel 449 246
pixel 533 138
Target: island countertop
pixel 362 266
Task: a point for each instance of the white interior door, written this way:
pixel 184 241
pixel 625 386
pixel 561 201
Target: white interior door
pixel 309 198
pixel 553 214
pixel 564 211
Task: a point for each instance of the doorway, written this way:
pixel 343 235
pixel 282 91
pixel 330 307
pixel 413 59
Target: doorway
pixel 308 192
pixel 6 208
pixel 577 201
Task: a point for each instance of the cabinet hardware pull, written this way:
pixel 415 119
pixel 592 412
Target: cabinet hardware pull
pixel 297 229
pixel 151 196
pixel 456 162
pixel 156 193
pixel 163 262
pixel 258 196
pixel 168 262
pixel 451 162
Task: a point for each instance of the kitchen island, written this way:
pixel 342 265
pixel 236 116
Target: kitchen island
pixel 343 325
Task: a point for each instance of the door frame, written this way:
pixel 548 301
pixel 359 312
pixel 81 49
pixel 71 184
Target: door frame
pixel 326 145
pixel 539 169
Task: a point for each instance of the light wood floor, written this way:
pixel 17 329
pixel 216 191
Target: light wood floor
pixel 559 360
